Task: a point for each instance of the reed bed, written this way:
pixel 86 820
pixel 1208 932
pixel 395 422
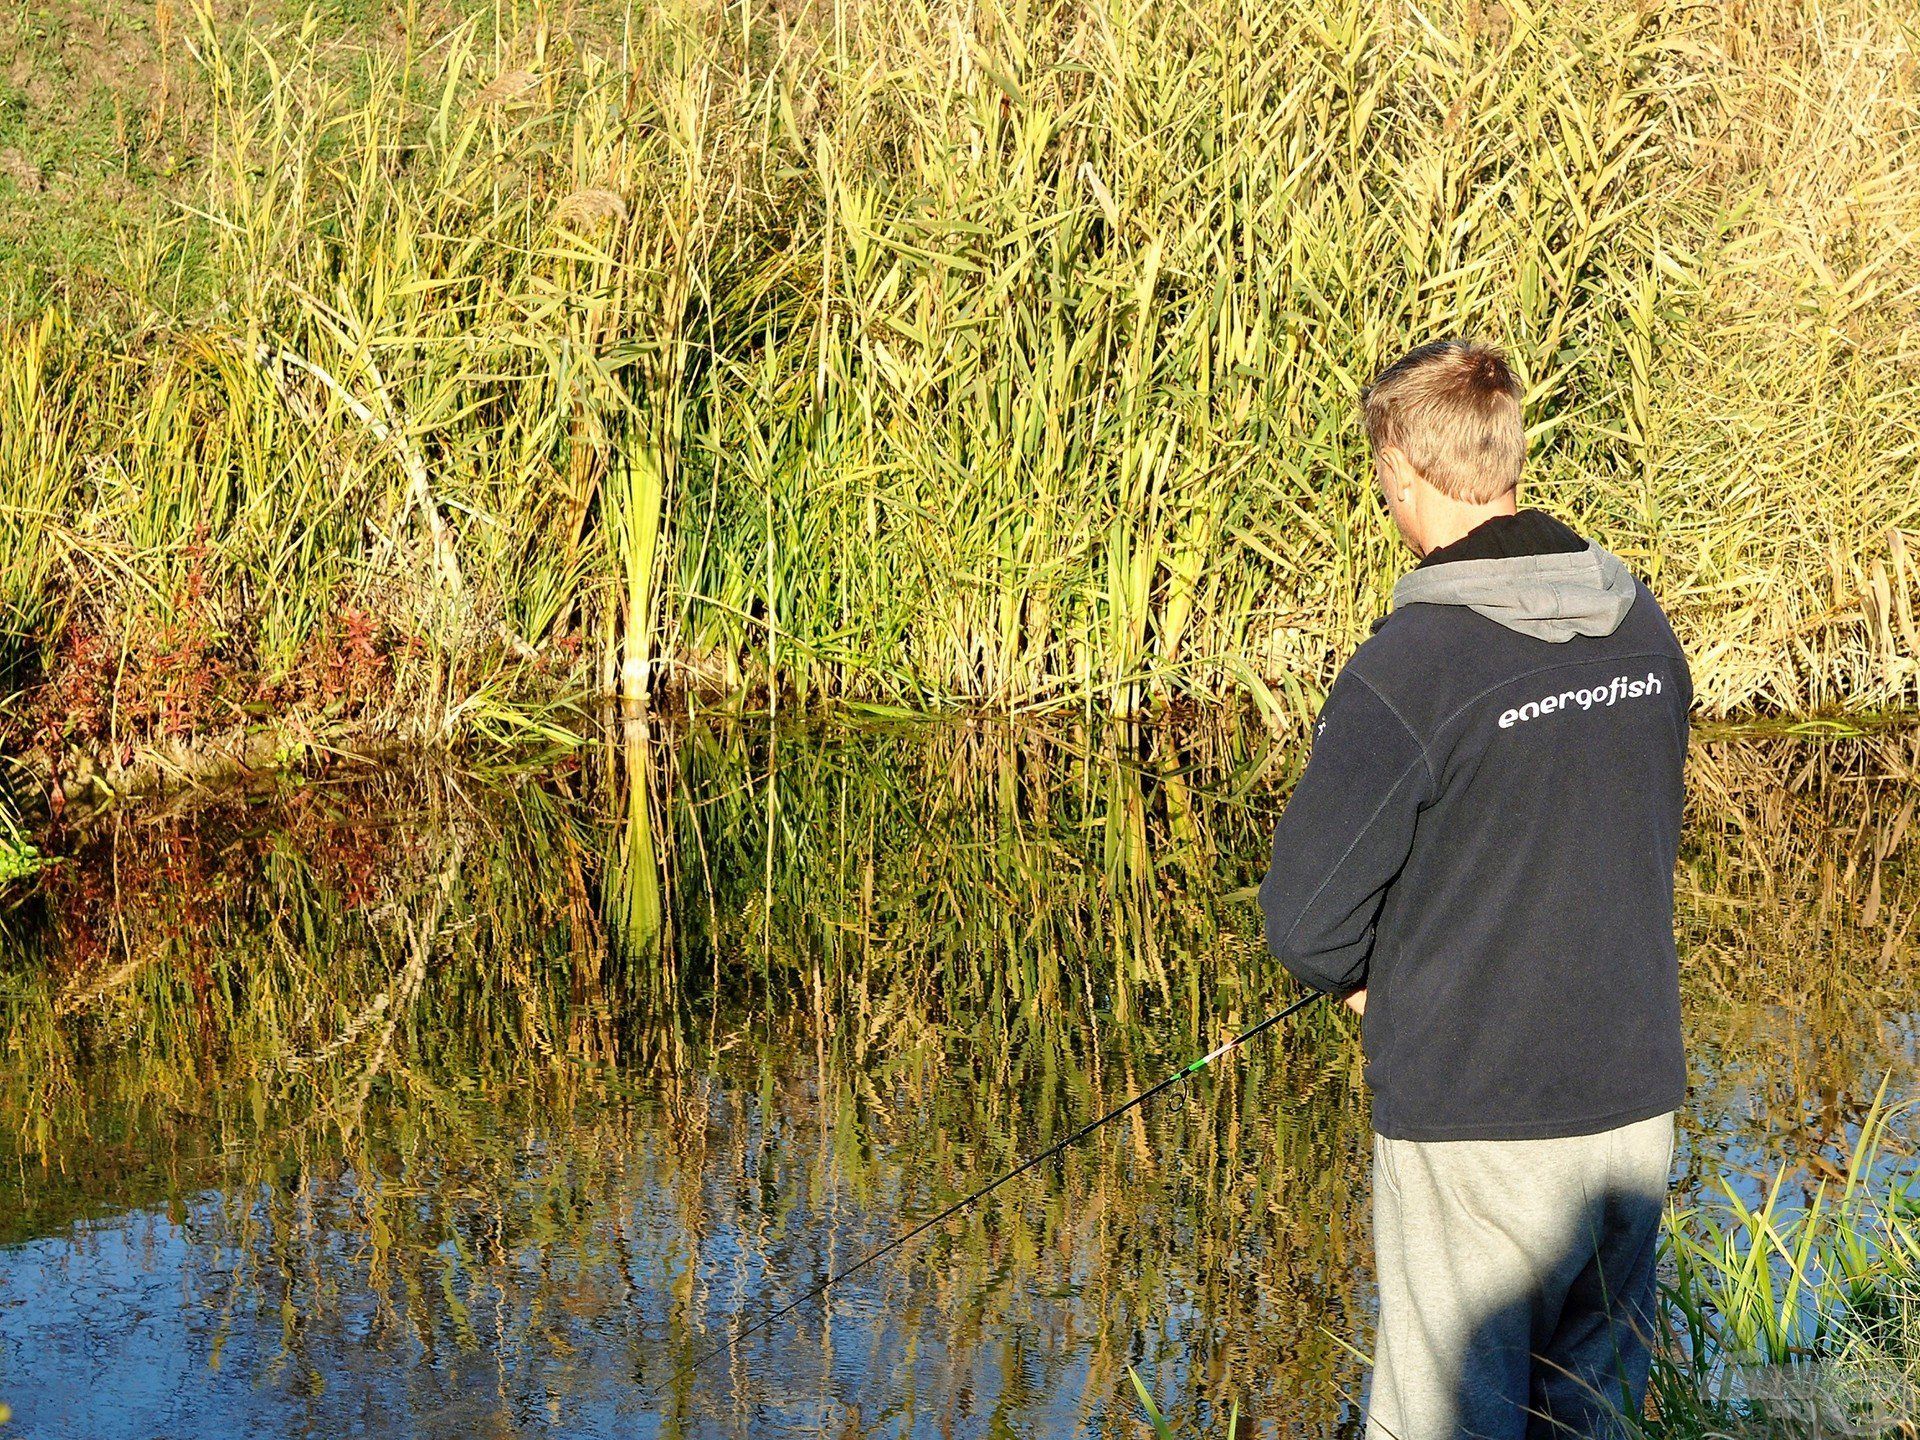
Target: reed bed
pixel 921 355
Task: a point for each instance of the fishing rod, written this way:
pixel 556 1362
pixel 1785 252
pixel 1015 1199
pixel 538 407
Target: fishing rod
pixel 1193 1068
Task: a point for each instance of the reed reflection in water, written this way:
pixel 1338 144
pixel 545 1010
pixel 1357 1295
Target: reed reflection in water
pixel 456 1105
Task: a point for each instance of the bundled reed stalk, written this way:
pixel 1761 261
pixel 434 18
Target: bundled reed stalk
pixel 1001 354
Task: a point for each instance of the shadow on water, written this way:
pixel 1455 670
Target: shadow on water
pixel 443 1105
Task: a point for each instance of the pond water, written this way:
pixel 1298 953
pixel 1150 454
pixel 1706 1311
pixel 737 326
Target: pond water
pixel 441 1104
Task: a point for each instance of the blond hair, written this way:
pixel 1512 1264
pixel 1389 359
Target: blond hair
pixel 1453 408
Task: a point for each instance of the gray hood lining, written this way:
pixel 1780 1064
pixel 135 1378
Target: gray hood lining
pixel 1549 597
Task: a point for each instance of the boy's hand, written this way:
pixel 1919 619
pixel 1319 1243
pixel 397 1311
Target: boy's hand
pixel 1357 1001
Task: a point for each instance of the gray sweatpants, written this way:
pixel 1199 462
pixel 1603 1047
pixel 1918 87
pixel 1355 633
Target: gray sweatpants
pixel 1516 1283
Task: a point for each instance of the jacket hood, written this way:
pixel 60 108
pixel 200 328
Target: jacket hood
pixel 1550 597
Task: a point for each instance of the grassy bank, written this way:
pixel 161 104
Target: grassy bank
pixel 1799 1314
pixel 448 362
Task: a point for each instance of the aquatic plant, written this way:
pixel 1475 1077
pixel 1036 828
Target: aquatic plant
pixel 1163 1427
pixel 19 856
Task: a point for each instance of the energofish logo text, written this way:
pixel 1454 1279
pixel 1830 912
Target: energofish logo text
pixel 1621 687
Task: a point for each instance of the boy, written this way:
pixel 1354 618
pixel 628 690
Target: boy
pixel 1479 857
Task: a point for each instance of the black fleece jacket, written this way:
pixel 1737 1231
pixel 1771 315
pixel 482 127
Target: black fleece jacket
pixel 1484 838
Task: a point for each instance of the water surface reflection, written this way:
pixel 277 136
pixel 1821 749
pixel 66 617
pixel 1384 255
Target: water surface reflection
pixel 450 1105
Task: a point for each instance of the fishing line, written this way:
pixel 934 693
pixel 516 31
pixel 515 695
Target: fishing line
pixel 954 1209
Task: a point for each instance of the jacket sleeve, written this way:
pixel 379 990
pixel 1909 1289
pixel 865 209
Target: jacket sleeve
pixel 1344 835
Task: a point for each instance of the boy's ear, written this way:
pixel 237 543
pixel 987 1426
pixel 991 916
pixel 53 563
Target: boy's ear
pixel 1397 470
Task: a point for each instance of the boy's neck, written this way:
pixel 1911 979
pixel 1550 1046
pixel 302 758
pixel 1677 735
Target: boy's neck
pixel 1449 520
